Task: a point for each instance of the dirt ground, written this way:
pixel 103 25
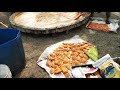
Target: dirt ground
pixel 34 45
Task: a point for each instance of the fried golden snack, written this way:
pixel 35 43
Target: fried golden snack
pixel 75 63
pixel 52 70
pixel 64 69
pixel 67 55
pixel 57 70
pixel 49 63
pixel 66 66
pixel 83 60
pixel 56 62
pixel 55 66
pixel 85 56
pixel 67 75
pixel 52 56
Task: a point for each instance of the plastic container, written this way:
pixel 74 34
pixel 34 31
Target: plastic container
pixel 11 50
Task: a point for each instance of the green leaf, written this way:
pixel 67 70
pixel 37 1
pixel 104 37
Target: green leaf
pixel 93 53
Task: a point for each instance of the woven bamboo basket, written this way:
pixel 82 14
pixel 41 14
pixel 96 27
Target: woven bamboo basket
pixel 35 30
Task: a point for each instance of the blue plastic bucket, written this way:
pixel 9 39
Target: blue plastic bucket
pixel 11 50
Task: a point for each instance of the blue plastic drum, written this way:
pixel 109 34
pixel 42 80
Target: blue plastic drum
pixel 11 50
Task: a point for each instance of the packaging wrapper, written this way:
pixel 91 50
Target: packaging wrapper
pixel 85 71
pixel 108 67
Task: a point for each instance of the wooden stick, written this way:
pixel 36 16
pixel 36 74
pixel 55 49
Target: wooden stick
pixel 3 24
